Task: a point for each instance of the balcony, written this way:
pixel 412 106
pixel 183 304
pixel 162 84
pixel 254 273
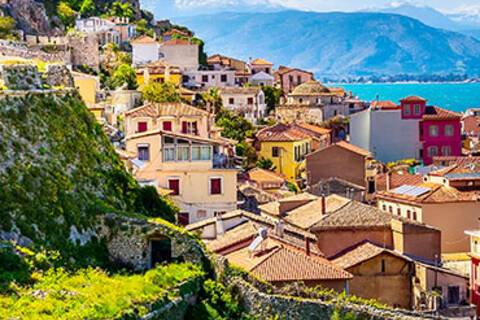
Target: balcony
pixel 222 161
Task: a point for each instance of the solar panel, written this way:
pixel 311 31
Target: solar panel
pixel 413 191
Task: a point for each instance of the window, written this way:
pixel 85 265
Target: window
pixel 183 153
pixel 449 130
pixel 219 213
pixel 174 185
pixel 143 152
pixel 267 70
pixel 206 153
pixel 382 266
pixel 299 79
pixel 167 125
pixel 390 209
pixel 409 214
pixel 290 79
pixel 406 110
pixel 371 186
pixel 205 78
pixel 201 214
pixel 215 186
pixel 414 216
pixel 183 218
pixel 275 152
pixel 416 109
pixel 142 127
pixel 223 78
pixel 432 151
pixel 399 211
pixel 433 131
pixel 446 151
pixel 169 153
pixel 231 101
pixel 250 101
pixel 190 127
pixel 453 294
pixel 384 207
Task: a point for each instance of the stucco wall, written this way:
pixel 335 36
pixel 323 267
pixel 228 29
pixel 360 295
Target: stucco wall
pixel 360 129
pixel 145 53
pixel 183 56
pixel 335 161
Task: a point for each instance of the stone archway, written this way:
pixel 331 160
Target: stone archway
pixel 160 250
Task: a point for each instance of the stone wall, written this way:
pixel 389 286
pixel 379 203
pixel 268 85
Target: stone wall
pixel 84 50
pixel 21 77
pixel 58 75
pixel 129 241
pixel 18 49
pixel 292 113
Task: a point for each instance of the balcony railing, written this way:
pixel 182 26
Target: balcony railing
pixel 222 161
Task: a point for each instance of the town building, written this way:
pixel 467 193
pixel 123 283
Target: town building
pixel 175 33
pixel 179 150
pixel 262 79
pixel 415 131
pixel 159 71
pixel 447 199
pixel 340 168
pixel 261 65
pixel 242 69
pixel 144 50
pixel 286 147
pixel 314 103
pixel 102 28
pixel 88 87
pixel 248 102
pixel 290 78
pixel 124 28
pixel 208 78
pixel 474 253
pixel 182 53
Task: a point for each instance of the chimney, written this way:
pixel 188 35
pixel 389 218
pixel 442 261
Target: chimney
pixel 324 205
pixel 280 228
pixel 388 181
pixel 219 226
pixel 307 246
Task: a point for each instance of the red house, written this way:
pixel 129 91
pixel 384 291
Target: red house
pixel 440 129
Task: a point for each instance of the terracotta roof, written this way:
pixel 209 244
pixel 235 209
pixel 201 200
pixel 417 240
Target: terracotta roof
pixel 354 215
pixel 364 252
pixel 456 160
pixel 384 105
pixel 353 148
pixel 176 31
pixel 264 176
pixel 240 90
pixel 280 262
pixel 313 128
pixel 310 88
pixel 436 113
pixel 159 67
pixel 437 194
pixel 273 208
pixel 281 133
pixel 177 42
pixel 285 70
pixel 260 62
pixel 261 196
pixel 397 180
pixel 310 214
pixel 413 99
pixel 143 40
pixel 156 110
pixel 239 234
pixel 471 125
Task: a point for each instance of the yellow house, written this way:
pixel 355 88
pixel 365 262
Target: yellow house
pixel 177 149
pixel 159 71
pixel 286 147
pixel 87 86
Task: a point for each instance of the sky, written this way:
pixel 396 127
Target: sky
pixel 178 7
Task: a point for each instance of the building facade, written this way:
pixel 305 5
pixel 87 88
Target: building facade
pixel 248 102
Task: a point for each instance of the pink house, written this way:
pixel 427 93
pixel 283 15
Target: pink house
pixel 290 78
pixel 440 129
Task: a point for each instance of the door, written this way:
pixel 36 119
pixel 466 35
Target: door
pixel 161 251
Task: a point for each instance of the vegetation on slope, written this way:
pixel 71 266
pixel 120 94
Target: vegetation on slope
pixel 94 294
pixel 59 171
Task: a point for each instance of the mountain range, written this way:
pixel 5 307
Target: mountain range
pixel 339 44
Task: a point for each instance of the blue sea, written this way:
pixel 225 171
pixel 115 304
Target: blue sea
pixel 453 96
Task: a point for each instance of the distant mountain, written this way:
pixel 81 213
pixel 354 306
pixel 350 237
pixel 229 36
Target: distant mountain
pixel 177 8
pixel 468 16
pixel 339 44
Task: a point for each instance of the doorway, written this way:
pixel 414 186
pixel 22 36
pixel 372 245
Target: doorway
pixel 160 251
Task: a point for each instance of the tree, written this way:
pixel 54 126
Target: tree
pixel 143 28
pixel 211 100
pixel 66 14
pixel 124 74
pixel 161 92
pixel 234 126
pixel 248 153
pixel 266 164
pixel 123 10
pixel 7 25
pixel 150 203
pixel 272 97
pixel 88 8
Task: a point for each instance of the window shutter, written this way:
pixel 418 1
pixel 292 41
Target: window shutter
pixel 142 127
pixel 195 128
pixel 215 186
pixel 184 126
pixel 167 126
pixel 174 185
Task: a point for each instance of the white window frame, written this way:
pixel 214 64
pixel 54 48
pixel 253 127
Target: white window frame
pixel 144 145
pixel 452 132
pixel 430 131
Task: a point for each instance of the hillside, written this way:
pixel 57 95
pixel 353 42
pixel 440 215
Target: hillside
pixel 59 173
pixel 339 44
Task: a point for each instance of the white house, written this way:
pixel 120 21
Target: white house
pixel 262 79
pixel 210 78
pixel 181 53
pixel 145 50
pixel 249 102
pixel 383 132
